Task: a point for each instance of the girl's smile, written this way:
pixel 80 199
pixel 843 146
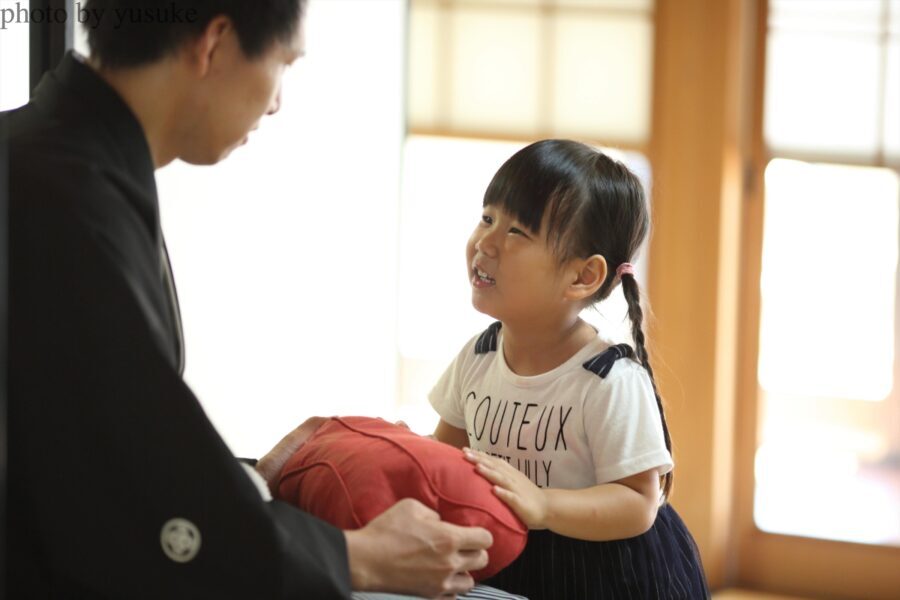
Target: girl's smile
pixel 480 279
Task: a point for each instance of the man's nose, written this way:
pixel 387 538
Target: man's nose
pixel 276 103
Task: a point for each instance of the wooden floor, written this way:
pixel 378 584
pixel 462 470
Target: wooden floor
pixel 749 595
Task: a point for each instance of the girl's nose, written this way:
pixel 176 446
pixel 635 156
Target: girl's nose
pixel 486 244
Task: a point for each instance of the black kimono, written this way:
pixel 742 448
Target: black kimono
pixel 119 486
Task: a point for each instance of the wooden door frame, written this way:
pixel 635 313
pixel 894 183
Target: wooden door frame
pixel 767 561
pixel 709 158
pixel 699 152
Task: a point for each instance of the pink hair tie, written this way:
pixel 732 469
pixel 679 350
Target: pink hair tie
pixel 625 269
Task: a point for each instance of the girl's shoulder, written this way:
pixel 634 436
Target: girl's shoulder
pixel 482 345
pixel 615 365
pixel 486 341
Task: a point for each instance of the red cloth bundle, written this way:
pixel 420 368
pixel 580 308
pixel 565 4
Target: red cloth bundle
pixel 354 468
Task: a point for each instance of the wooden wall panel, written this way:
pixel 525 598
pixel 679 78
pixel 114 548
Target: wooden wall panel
pixel 698 151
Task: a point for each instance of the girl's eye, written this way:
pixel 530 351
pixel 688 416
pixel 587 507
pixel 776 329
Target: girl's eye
pixel 516 230
pixel 487 219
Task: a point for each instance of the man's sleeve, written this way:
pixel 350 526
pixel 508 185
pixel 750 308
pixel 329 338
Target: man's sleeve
pixel 129 489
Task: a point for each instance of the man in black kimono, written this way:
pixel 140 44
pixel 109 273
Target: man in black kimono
pixel 119 486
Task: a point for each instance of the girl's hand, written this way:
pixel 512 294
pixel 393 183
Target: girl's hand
pixel 526 499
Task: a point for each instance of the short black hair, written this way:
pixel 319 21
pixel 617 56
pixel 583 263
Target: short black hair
pixel 130 33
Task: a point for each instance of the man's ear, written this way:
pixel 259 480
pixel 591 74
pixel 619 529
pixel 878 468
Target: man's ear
pixel 202 49
pixel 590 275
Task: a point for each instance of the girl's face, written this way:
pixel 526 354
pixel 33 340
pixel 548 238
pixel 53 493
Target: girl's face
pixel 513 272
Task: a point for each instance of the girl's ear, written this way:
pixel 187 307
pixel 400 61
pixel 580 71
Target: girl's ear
pixel 590 275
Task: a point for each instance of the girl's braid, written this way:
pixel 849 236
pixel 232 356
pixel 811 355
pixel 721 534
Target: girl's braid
pixel 632 295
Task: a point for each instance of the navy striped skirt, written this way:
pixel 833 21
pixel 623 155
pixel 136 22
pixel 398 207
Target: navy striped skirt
pixel 662 564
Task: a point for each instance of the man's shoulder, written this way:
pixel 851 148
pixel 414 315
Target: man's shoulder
pixel 52 176
pixel 57 162
pixel 39 139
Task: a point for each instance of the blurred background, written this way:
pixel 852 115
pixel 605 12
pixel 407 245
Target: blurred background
pixel 321 267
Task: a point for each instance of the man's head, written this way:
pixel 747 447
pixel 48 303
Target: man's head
pixel 221 60
pixel 132 33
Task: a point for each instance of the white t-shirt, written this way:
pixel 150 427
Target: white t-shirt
pixel 567 428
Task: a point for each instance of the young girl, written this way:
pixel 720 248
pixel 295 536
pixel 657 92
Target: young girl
pixel 569 427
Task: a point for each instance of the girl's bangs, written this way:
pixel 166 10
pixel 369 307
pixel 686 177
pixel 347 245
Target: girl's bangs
pixel 543 181
pixel 524 187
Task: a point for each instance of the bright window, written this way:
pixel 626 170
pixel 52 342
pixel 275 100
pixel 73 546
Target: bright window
pixel 827 346
pixel 832 77
pixel 828 281
pixel 14 56
pixel 517 69
pixel 828 458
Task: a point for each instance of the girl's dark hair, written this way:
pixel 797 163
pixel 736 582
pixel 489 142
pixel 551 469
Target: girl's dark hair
pixel 592 205
pixel 130 33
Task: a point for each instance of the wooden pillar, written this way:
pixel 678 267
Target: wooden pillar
pixel 698 151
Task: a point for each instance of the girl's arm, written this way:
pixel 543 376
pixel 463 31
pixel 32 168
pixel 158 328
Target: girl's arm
pixel 444 432
pixel 610 511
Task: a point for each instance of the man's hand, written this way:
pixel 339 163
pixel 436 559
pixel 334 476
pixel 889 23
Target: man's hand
pixel 408 549
pixel 526 499
pixel 270 465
